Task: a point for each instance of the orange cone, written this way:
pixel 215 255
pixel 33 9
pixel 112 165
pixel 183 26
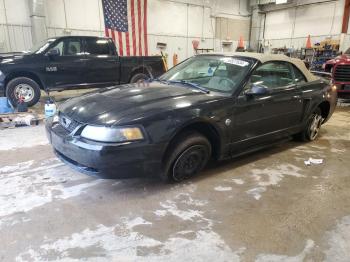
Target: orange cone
pixel 240 43
pixel 175 59
pixel 308 42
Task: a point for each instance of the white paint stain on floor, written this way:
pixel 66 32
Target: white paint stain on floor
pixel 23 137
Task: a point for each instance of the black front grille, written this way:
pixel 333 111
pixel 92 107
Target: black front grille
pixel 342 73
pixel 68 123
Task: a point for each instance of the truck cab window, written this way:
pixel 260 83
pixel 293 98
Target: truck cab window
pixel 98 46
pixel 68 47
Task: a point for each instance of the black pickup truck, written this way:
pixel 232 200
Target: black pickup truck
pixel 71 62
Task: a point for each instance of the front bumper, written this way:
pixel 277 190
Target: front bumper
pixel 343 89
pixel 105 160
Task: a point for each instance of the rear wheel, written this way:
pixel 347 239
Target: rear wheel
pixel 139 78
pixel 23 87
pixel 190 154
pixel 312 129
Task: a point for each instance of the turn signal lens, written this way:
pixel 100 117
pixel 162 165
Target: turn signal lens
pixel 132 133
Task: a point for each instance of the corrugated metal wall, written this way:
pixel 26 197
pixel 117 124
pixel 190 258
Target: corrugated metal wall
pixel 15 37
pixel 175 22
pixel 15 26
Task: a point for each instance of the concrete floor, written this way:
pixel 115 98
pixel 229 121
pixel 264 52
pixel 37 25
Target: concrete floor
pixel 267 206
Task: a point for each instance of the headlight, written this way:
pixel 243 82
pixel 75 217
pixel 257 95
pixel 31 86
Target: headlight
pixel 111 134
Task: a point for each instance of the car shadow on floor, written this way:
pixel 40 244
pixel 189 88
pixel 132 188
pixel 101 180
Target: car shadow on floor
pixel 214 168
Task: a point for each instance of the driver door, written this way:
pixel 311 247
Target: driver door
pixel 263 117
pixel 65 70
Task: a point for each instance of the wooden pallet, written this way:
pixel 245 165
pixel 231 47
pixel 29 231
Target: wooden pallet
pixel 13 120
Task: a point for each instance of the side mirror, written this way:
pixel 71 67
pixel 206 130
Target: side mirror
pixel 54 52
pixel 257 90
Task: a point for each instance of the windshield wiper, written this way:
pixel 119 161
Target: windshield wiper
pixel 158 80
pixel 191 84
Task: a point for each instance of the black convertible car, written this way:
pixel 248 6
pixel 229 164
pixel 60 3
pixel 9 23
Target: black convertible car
pixel 209 106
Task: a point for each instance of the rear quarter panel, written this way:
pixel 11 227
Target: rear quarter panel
pixel 316 92
pixel 150 65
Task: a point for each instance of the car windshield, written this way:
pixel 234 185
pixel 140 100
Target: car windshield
pixel 210 72
pixel 41 46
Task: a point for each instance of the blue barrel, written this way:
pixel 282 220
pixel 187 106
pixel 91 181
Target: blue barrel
pixel 5 106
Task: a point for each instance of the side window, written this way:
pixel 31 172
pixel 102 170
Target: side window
pixel 68 47
pixel 299 76
pixel 98 46
pixel 72 47
pixel 59 46
pixel 272 75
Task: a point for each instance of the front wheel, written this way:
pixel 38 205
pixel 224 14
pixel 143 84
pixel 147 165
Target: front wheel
pixel 190 154
pixel 312 129
pixel 23 87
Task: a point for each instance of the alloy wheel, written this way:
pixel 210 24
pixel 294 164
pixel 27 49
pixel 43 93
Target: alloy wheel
pixel 315 126
pixel 25 91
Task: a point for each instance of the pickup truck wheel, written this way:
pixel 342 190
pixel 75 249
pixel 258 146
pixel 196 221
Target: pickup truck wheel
pixel 25 87
pixel 138 78
pixel 189 156
pixel 313 126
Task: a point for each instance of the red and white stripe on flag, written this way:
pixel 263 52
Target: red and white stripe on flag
pixel 134 42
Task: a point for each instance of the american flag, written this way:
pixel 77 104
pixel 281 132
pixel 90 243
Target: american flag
pixel 126 24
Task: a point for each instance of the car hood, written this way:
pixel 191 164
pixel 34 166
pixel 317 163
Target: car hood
pixel 340 59
pixel 9 58
pixel 129 103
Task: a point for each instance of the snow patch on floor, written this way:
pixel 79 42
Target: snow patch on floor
pixel 128 246
pixel 170 208
pixel 187 199
pixel 238 181
pixel 282 258
pixel 338 151
pixel 223 188
pixel 256 192
pixel 23 188
pixel 339 242
pixel 125 240
pixel 271 176
pixel 23 137
pixel 16 167
pixel 130 224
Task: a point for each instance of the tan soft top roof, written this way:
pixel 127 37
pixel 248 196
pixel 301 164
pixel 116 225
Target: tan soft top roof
pixel 263 58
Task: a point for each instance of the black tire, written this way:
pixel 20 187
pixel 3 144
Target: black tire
pixel 29 86
pixel 189 154
pixel 140 77
pixel 312 128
